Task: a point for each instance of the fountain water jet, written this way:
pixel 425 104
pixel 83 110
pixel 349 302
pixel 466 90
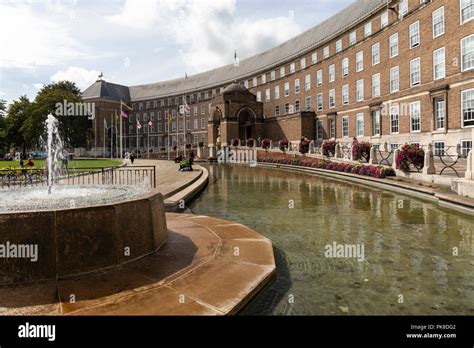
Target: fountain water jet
pixel 54 148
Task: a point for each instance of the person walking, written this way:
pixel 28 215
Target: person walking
pixel 132 157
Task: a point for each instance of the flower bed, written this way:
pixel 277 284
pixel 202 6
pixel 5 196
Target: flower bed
pixel 329 148
pixel 250 142
pixel 235 142
pixel 410 155
pixel 266 143
pixel 361 151
pixel 358 169
pixel 283 145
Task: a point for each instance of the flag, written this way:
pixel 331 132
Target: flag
pixel 187 109
pixel 116 115
pixel 124 113
pixel 139 126
pixel 105 123
pixel 150 124
pixel 169 118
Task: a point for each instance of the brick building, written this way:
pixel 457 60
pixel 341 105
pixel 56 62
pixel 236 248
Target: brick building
pixel 383 71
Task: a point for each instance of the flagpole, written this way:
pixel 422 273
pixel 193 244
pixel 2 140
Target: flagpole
pixel 121 131
pixel 148 147
pixel 111 137
pixel 105 126
pixel 137 138
pixel 184 130
pixel 169 135
pixel 116 135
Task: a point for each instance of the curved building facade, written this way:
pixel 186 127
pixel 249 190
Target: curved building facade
pixel 383 71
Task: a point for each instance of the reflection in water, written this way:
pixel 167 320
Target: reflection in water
pixel 408 244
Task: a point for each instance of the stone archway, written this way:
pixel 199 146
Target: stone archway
pixel 246 119
pixel 214 128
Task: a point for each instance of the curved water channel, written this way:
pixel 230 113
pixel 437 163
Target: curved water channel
pixel 418 258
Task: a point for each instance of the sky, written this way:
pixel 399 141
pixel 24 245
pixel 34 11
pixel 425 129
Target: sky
pixel 135 42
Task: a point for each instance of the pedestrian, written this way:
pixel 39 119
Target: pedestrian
pixel 191 157
pixel 132 157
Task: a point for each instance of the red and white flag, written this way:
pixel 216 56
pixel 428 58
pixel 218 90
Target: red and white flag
pixel 150 124
pixel 139 126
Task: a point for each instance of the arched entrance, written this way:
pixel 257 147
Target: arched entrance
pixel 246 118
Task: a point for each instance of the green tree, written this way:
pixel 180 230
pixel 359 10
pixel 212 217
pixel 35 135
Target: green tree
pixel 3 109
pixel 18 112
pixel 73 129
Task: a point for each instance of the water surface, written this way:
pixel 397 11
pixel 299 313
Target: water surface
pixel 409 266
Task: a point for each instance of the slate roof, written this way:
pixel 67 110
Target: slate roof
pixel 305 42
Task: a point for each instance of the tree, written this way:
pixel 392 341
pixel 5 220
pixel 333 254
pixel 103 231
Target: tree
pixel 18 112
pixel 73 129
pixel 3 109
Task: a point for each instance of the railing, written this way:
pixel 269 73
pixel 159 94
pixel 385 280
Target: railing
pixel 450 160
pixel 119 176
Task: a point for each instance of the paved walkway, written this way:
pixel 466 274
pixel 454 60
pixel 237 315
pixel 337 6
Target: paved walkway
pixel 208 267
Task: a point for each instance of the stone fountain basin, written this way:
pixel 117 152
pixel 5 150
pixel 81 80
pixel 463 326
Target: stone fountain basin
pixel 85 239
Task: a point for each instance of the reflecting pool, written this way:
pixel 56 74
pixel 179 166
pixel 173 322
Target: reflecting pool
pixel 418 258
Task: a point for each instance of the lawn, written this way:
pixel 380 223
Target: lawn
pixel 74 164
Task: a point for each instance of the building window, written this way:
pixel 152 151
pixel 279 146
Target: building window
pixel 440 112
pixel 319 102
pixel 159 115
pixel 360 124
pixel 307 82
pixel 338 46
pixel 345 94
pixel 287 108
pixel 384 19
pixel 264 79
pixel 267 95
pixel 273 75
pixel 188 124
pixel 360 61
pixel 394 118
pixel 467 10
pixel 246 84
pixel 319 129
pixel 376 86
pixel 368 29
pixel 438 22
pixel 393 45
pixel 394 79
pixel 468 108
pixel 345 126
pixel 292 68
pixel 332 128
pixel 415 117
pixel 353 38
pixel 376 54
pixel 203 123
pixel 282 72
pixel 196 124
pixel 439 66
pixel 439 148
pixel 314 57
pixel 467 53
pixel 303 63
pixel 297 106
pixel 297 86
pixel 415 34
pixel 203 110
pixel 332 98
pixel 277 92
pixel 319 78
pixel 259 96
pixel 345 67
pixel 403 9
pixel 326 52
pixel 360 90
pixel 466 147
pixel 376 122
pixel 307 104
pixel 415 78
pixel 277 110
pixel 287 89
pixel 332 73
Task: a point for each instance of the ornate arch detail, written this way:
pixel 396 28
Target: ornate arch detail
pixel 216 116
pixel 250 110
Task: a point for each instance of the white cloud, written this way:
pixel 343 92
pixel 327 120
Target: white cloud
pixel 205 31
pixel 32 38
pixel 82 77
pixel 38 86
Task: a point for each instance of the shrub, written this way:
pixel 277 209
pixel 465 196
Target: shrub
pixel 250 142
pixel 283 145
pixel 201 144
pixel 235 142
pixel 303 147
pixel 361 151
pixel 266 143
pixel 329 148
pixel 410 155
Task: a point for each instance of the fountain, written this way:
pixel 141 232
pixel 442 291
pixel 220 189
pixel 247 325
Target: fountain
pixel 77 229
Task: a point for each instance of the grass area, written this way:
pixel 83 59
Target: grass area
pixel 74 164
